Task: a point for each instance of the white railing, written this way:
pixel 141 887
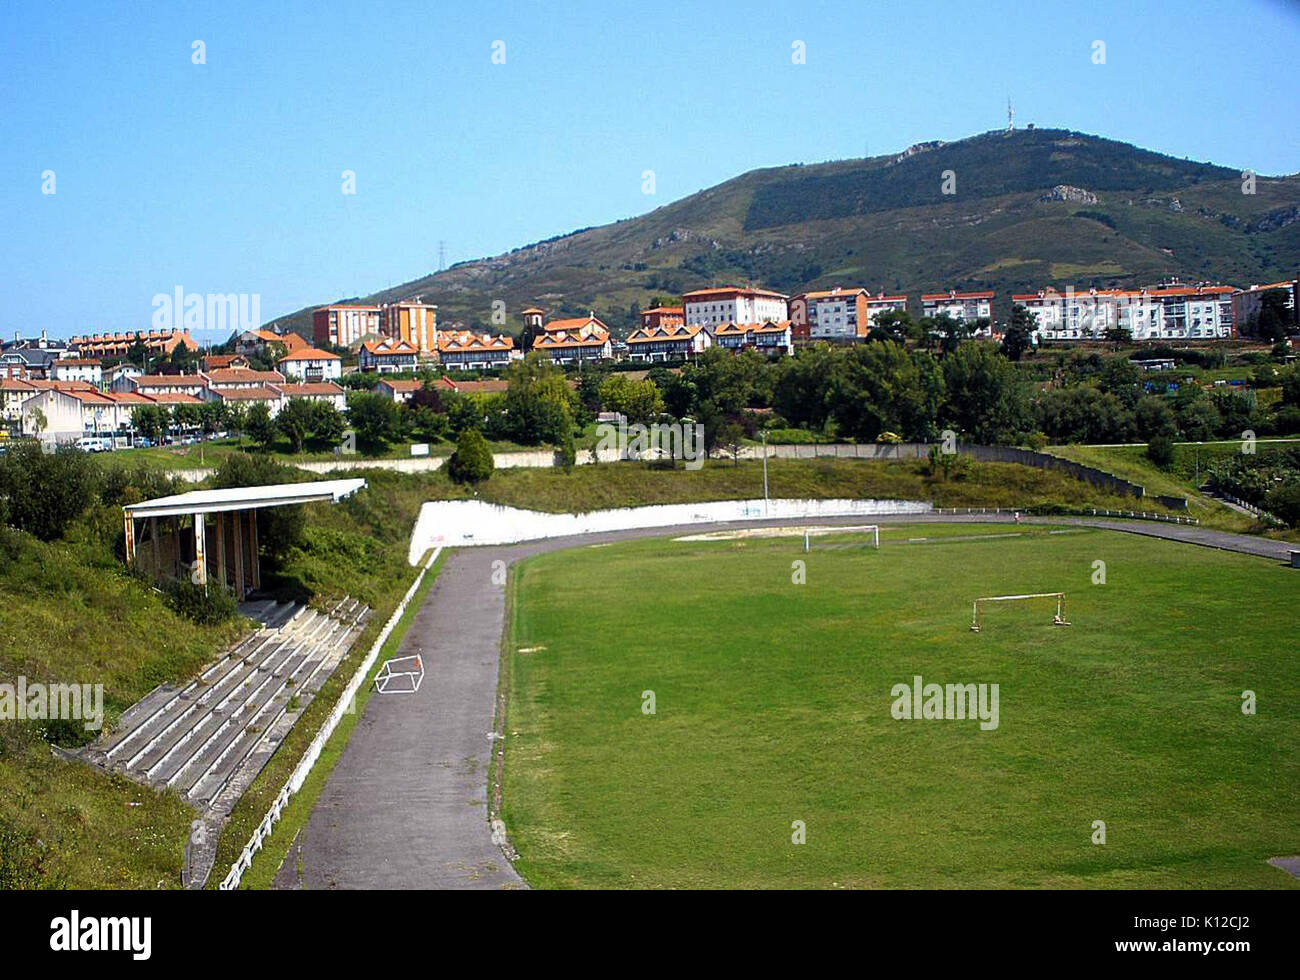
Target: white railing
pixel 343 707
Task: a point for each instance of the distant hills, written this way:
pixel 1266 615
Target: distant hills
pixel 1031 208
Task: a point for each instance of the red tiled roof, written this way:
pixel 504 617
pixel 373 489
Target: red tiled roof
pixel 309 354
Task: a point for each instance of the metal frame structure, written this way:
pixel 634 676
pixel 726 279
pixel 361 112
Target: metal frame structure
pixel 824 531
pixel 977 613
pixel 390 681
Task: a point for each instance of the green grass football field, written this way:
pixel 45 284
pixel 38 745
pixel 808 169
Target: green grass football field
pixel 772 704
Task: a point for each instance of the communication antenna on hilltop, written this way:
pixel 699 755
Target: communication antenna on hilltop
pixel 442 255
pixel 1011 117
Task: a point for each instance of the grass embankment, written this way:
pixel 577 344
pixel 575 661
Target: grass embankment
pixel 70 612
pixel 591 487
pixel 209 455
pixel 1182 478
pixel 773 705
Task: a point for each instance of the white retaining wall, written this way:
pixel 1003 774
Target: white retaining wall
pixel 447 523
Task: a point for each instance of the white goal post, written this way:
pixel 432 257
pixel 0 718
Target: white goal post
pixel 400 675
pixel 977 607
pixel 821 532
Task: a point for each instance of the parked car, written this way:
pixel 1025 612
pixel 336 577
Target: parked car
pixel 143 442
pixel 95 444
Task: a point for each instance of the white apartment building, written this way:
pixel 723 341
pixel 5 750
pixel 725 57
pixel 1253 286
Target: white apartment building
pixel 732 304
pixel 1167 312
pixel 960 306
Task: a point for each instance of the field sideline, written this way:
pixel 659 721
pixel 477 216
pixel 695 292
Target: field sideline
pixel 772 705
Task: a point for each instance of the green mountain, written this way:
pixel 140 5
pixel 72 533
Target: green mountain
pixel 1031 208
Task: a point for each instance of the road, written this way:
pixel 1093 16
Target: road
pixel 406 805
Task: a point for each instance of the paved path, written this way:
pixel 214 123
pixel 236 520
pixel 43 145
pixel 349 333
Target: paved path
pixel 406 806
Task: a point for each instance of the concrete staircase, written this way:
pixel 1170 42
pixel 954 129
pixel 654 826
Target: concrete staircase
pixel 199 738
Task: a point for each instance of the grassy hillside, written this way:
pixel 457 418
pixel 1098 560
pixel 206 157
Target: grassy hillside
pixel 884 223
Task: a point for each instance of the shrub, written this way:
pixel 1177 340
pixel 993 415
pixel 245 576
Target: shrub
pixel 206 608
pixel 1160 450
pixel 472 461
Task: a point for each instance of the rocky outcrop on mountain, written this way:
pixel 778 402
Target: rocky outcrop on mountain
pixel 1073 195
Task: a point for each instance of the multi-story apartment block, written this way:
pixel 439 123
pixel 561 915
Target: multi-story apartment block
pixel 967 307
pixel 843 314
pixel 1171 311
pixel 1070 315
pixel 667 343
pixel 1246 303
pixel 344 324
pixel 158 343
pixel 411 321
pixel 468 351
pixel 732 304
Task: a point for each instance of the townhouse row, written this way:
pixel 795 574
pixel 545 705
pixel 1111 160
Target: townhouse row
pixel 65 411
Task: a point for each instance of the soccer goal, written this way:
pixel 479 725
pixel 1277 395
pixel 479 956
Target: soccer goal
pixel 400 675
pixel 977 607
pixel 870 536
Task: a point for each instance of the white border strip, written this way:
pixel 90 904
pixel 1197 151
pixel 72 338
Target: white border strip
pixel 344 706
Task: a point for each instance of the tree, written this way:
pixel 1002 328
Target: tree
pixel 295 422
pixel 540 405
pixel 149 421
pixel 731 440
pixel 884 387
pixel 327 424
pixel 950 331
pixel 374 418
pixel 1160 450
pixel 983 397
pixel 1274 321
pixel 472 461
pixel 259 424
pixel 639 401
pixel 895 325
pixel 1019 336
pixel 43 493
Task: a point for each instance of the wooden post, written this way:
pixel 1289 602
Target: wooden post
pixel 128 526
pixel 239 555
pixel 199 574
pixel 221 550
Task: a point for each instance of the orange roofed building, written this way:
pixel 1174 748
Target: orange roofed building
pixel 465 350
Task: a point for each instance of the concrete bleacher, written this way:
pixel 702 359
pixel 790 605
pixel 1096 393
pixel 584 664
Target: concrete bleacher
pixel 216 732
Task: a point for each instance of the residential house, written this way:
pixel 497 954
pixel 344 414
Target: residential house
pixel 389 356
pixel 227 379
pixel 667 343
pixel 400 391
pixel 663 316
pixel 465 350
pixel 256 343
pixel 767 338
pixel 310 364
pixel 575 341
pixel 317 391
pixel 150 384
pixel 86 369
pixel 215 362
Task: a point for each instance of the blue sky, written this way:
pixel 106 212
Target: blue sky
pixel 226 177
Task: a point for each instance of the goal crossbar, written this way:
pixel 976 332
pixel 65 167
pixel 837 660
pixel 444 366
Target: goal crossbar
pixel 977 610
